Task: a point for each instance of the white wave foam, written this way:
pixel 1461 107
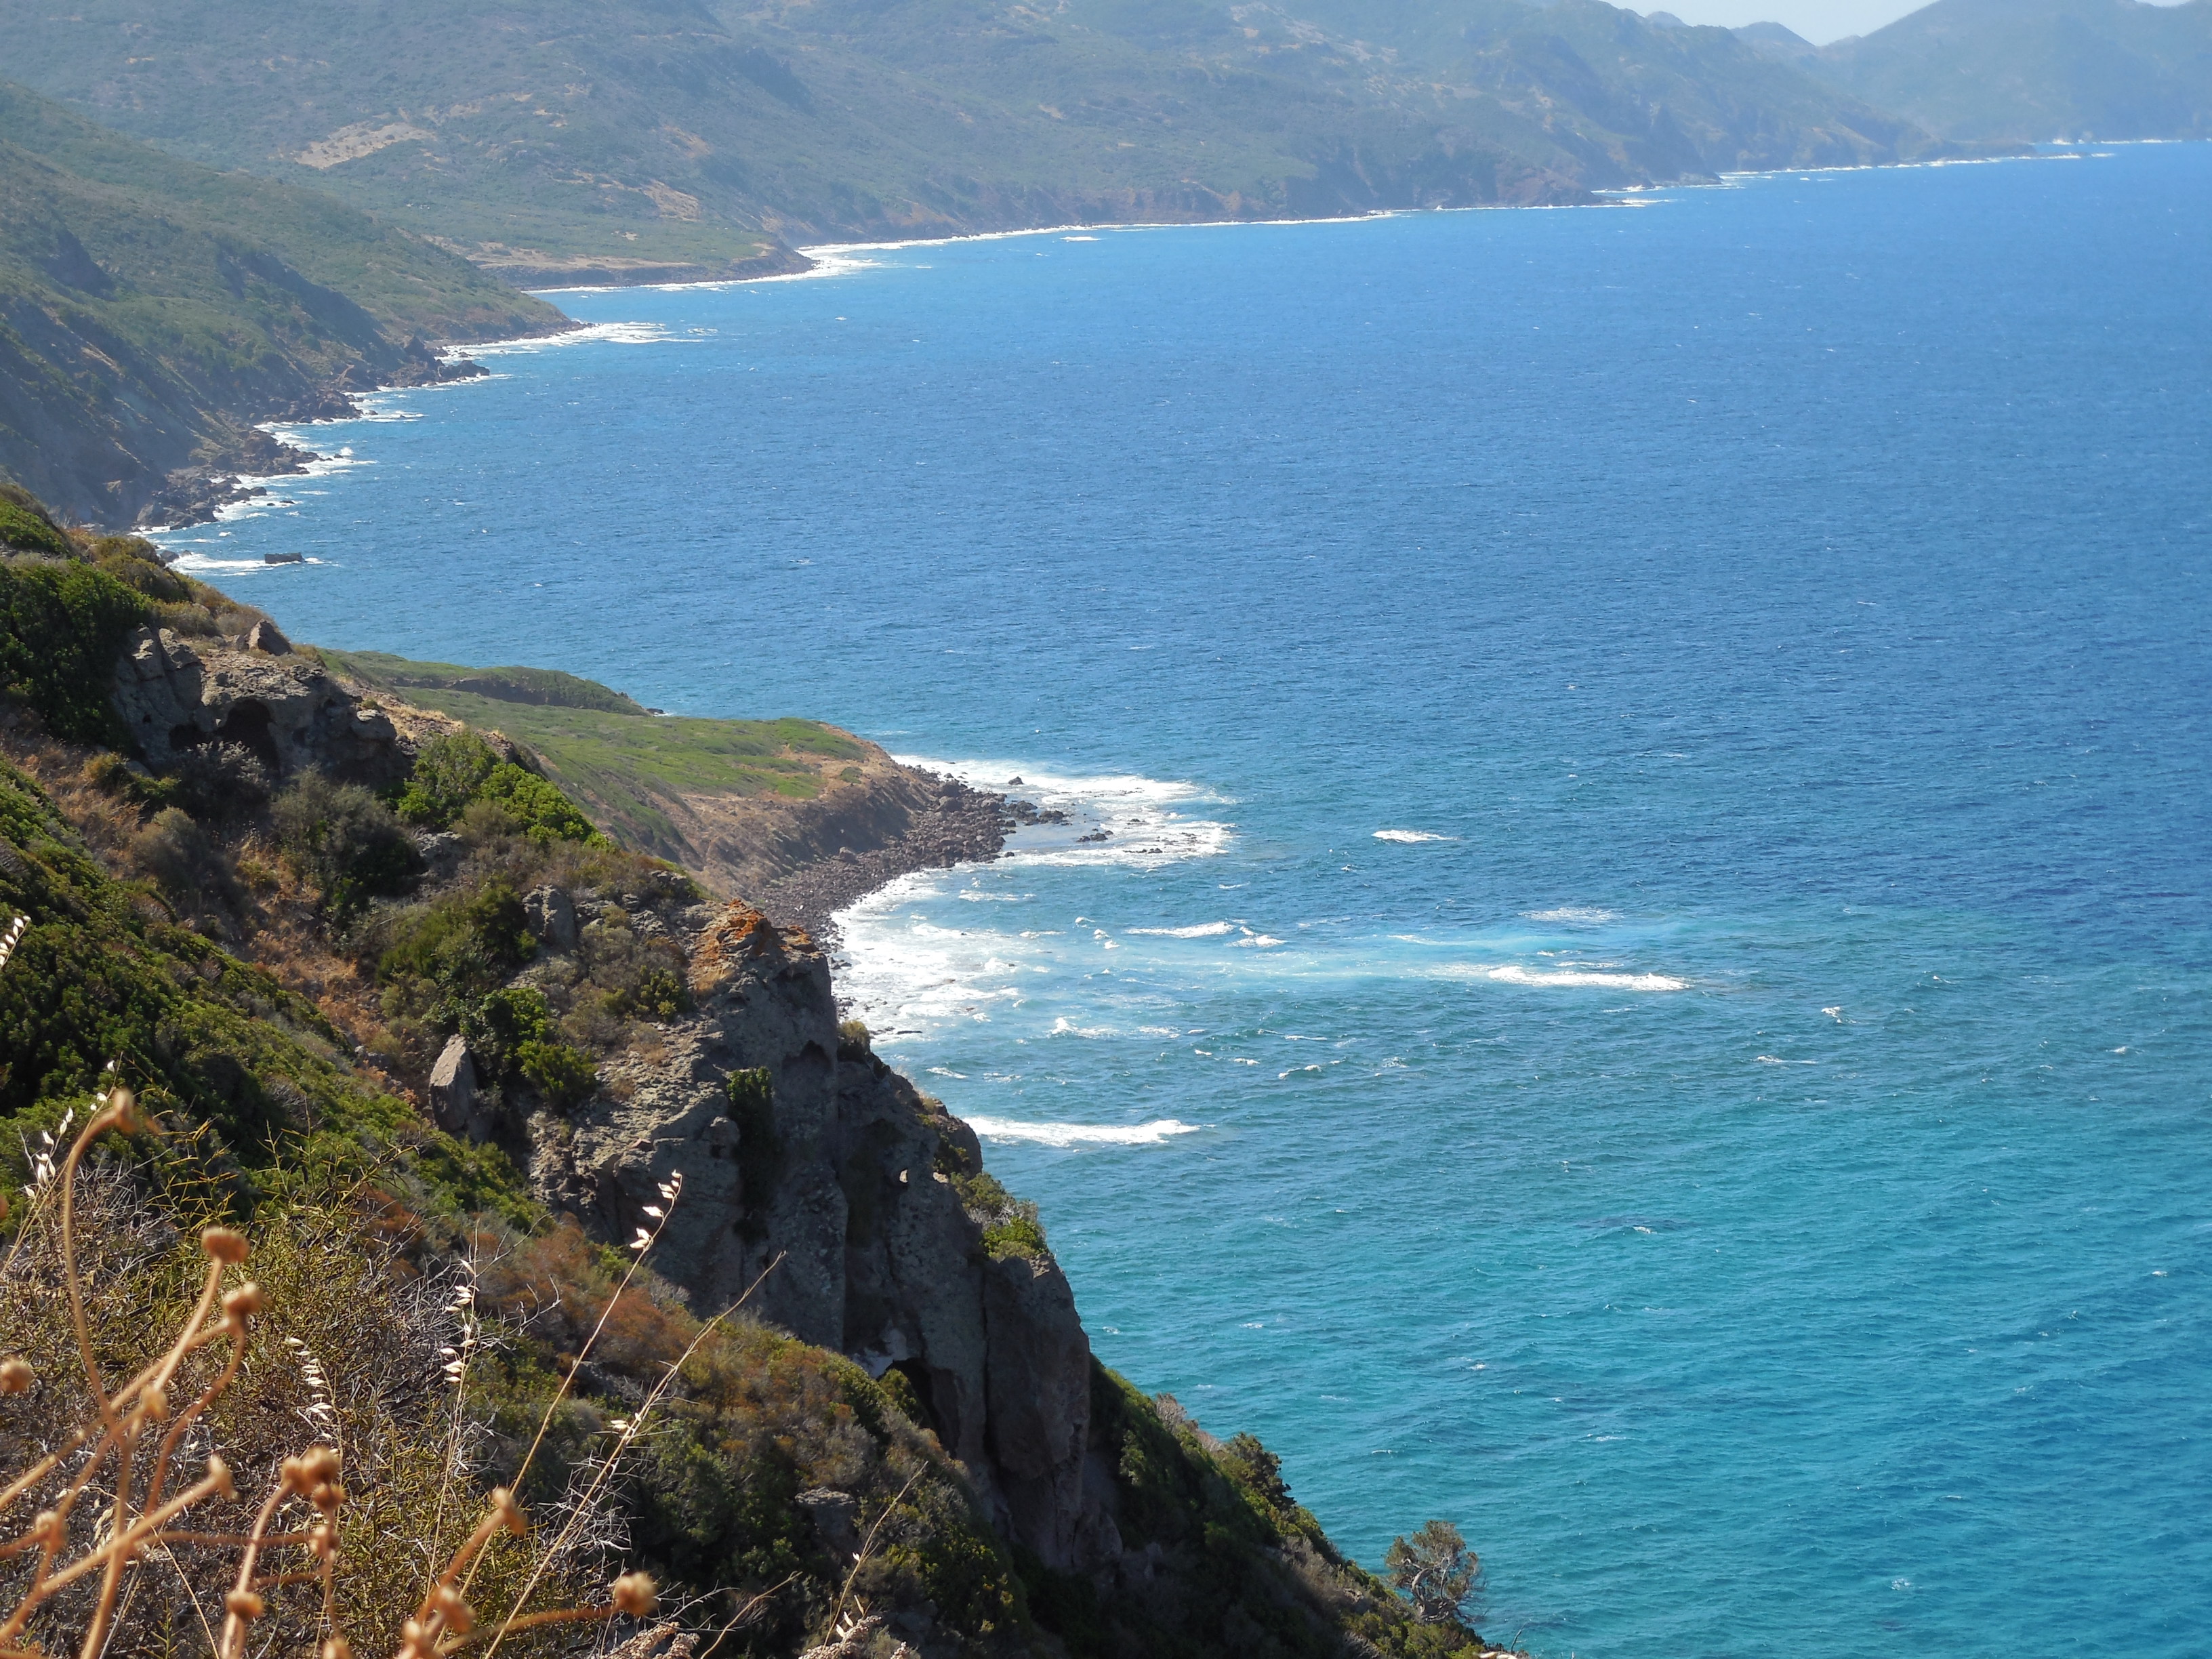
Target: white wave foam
pixel 1204 930
pixel 1587 915
pixel 1142 817
pixel 594 334
pixel 1252 941
pixel 1082 1134
pixel 1066 1027
pixel 1565 978
pixel 1410 837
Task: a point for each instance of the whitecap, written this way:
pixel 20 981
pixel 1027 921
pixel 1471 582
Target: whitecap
pixel 596 334
pixel 1586 915
pixel 1256 942
pixel 1082 1134
pixel 1066 1027
pixel 1410 837
pixel 1203 930
pixel 1142 816
pixel 1565 978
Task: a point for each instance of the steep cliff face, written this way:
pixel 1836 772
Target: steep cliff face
pixel 848 1201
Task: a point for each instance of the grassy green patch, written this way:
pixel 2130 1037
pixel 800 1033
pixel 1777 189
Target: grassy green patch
pixel 621 764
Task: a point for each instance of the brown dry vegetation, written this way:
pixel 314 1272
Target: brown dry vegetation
pixel 287 1452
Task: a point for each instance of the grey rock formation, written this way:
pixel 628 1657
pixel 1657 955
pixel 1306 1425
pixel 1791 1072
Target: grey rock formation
pixel 455 1102
pixel 173 696
pixel 838 1202
pixel 552 917
pixel 836 1517
pixel 265 637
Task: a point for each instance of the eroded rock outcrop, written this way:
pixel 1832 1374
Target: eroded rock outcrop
pixel 811 1167
pixel 173 697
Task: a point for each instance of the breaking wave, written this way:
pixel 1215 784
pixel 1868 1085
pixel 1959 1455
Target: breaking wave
pixel 1566 978
pixel 1083 1134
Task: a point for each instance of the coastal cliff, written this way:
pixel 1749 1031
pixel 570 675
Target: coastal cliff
pixel 375 978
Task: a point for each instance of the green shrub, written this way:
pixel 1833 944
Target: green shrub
pixel 447 773
pixel 752 1093
pixel 545 814
pixel 25 527
pixel 564 1076
pixel 345 842
pixel 176 852
pixel 219 779
pixel 136 563
pixel 466 943
pixel 1259 1470
pixel 854 1041
pixel 1019 1232
pixel 498 1026
pixel 659 994
pixel 62 628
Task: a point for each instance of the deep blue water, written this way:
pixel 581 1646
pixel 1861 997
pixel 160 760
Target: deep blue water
pixel 1750 1168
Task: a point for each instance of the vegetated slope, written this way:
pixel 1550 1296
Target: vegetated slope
pixel 1619 99
pixel 905 1437
pixel 2038 70
pixel 151 310
pixel 747 806
pixel 648 137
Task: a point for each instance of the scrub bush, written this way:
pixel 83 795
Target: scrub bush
pixel 346 842
pixel 62 628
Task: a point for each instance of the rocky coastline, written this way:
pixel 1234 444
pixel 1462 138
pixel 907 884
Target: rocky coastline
pixel 957 825
pixel 216 479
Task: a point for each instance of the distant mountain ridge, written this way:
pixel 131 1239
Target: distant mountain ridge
pixel 2030 70
pixel 648 136
pixel 151 312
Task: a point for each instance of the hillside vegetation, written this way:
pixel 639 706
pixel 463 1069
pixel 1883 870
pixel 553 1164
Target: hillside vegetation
pixel 2036 70
pixel 152 310
pixel 267 960
pixel 596 139
pixel 630 766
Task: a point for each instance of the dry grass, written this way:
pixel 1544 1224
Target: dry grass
pixel 197 1462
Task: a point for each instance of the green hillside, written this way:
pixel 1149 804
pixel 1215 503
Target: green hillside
pixel 271 964
pixel 152 310
pixel 2038 70
pixel 616 757
pixel 660 135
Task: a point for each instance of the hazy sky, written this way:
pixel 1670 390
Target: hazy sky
pixel 1818 21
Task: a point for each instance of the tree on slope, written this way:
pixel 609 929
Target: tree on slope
pixel 1435 1571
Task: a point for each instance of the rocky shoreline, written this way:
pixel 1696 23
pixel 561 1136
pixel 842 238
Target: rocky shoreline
pixel 197 494
pixel 960 825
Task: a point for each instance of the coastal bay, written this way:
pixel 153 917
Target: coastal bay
pixel 1734 1138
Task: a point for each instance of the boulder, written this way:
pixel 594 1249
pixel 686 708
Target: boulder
pixel 265 637
pixel 551 915
pixel 455 1102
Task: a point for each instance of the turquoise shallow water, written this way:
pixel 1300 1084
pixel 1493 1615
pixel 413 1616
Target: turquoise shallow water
pixel 1747 1164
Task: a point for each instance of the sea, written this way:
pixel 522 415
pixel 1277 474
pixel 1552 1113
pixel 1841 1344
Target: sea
pixel 1630 963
